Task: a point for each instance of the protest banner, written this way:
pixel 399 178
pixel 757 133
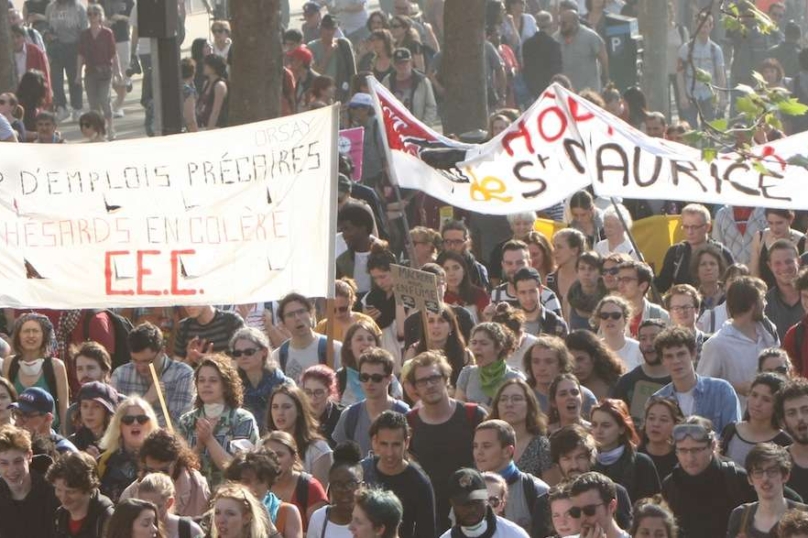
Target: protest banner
pixel 351 144
pixel 564 143
pixel 228 216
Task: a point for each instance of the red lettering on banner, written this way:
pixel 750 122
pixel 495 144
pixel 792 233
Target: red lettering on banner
pixel 562 118
pixel 768 151
pixel 574 111
pixel 108 272
pixel 142 271
pixel 521 132
pixel 175 272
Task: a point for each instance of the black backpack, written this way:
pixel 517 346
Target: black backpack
pixel 121 328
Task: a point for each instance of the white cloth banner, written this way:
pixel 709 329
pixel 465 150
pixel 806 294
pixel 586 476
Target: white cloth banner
pixel 564 143
pixel 230 216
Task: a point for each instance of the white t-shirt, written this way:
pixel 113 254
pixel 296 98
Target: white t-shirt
pixel 515 359
pixel 332 530
pixel 300 359
pixel 630 354
pixel 686 401
pixel 360 271
pixel 505 529
pixel 350 22
pixel 602 248
pixel 316 450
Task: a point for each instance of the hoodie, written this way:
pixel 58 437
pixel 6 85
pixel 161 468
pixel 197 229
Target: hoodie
pixel 729 354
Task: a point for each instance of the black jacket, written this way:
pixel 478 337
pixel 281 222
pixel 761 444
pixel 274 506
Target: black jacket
pixel 676 267
pixel 541 60
pixel 635 472
pixel 31 517
pixel 98 515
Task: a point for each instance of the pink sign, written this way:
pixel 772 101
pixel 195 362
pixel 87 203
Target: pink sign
pixel 351 143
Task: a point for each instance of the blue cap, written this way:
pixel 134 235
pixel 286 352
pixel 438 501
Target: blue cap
pixel 34 400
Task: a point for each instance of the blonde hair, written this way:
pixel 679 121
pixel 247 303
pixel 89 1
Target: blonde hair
pixel 259 525
pixel 159 483
pixel 111 441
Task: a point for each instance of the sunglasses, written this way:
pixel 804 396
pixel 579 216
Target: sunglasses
pixel 249 352
pixel 613 315
pixel 611 271
pixel 697 432
pixel 376 378
pixel 131 419
pixel 589 510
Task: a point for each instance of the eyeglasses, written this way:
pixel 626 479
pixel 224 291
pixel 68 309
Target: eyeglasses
pixel 376 378
pixel 683 308
pixel 316 393
pixel 611 271
pixel 249 352
pixel 771 472
pixel 613 315
pixel 697 432
pixel 627 279
pixel 693 228
pixel 431 380
pixel 494 502
pixel 589 510
pixel 131 419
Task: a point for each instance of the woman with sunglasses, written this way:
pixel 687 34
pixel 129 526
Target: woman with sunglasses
pixel 653 517
pixel 444 335
pixel 345 479
pixel 515 403
pixel 218 425
pixel 319 384
pixel 344 316
pixel 543 362
pixel 289 411
pixel 661 416
pixel 32 364
pixel 565 403
pixel 133 421
pixel 405 36
pixel 759 424
pixel 596 366
pixel 610 318
pixel 259 377
pixel 292 485
pixel 617 455
pixel 776 361
pixel 490 343
pixel 459 289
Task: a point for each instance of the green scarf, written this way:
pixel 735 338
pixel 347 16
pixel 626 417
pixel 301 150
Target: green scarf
pixel 491 376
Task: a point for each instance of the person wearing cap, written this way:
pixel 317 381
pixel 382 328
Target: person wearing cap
pixel 538 319
pixel 96 403
pixel 474 517
pixel 412 87
pixel 33 411
pixel 594 502
pixel 703 490
pixel 362 114
pixel 494 447
pixel 311 21
pixel 92 363
pixel 541 56
pixel 300 59
pixel 334 56
pixel 27 501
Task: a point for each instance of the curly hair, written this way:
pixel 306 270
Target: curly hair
pixel 44 324
pixel 503 337
pixel 551 343
pixel 163 445
pixel 306 425
pixel 619 302
pixel 607 365
pixel 264 465
pixel 77 469
pixel 536 421
pixel 231 382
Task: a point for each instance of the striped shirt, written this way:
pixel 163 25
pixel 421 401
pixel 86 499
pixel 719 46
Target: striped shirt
pixel 219 331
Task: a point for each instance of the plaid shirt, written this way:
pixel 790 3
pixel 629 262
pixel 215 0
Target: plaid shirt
pixel 178 379
pixel 234 424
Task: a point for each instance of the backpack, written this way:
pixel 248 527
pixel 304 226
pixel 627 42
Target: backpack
pixel 302 491
pixel 47 371
pixel 185 527
pixel 121 327
pixel 352 417
pixel 322 352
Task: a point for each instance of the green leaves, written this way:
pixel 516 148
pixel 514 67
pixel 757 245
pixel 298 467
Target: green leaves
pixel 708 155
pixel 798 160
pixel 703 76
pixel 792 107
pixel 719 125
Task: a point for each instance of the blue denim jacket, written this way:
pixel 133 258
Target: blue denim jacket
pixel 713 398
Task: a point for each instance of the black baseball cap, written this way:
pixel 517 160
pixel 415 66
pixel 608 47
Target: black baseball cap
pixel 101 393
pixel 467 485
pixel 328 21
pixel 402 55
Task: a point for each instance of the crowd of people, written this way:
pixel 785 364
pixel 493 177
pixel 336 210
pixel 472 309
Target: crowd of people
pixel 562 387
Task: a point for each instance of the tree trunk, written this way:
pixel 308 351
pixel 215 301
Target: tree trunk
pixel 462 66
pixel 653 20
pixel 8 82
pixel 256 72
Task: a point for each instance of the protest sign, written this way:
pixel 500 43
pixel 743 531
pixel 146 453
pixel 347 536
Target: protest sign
pixel 415 289
pixel 228 216
pixel 351 144
pixel 564 143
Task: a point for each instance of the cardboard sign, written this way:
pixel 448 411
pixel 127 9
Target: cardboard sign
pixel 415 289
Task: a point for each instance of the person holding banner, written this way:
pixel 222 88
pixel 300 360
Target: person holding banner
pixel 218 425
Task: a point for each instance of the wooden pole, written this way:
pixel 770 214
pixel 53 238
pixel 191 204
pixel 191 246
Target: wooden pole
pixel 160 397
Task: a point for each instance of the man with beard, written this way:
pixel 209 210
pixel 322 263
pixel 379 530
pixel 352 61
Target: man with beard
pixel 594 503
pixel 538 319
pixel 455 235
pixel 792 411
pixel 583 53
pixel 469 497
pixel 573 449
pixel 642 382
pixel 515 256
pixel 783 305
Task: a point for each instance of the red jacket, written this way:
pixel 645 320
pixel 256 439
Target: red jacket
pixel 797 351
pixel 35 59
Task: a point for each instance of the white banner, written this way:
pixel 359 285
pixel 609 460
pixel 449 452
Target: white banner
pixel 564 143
pixel 230 216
